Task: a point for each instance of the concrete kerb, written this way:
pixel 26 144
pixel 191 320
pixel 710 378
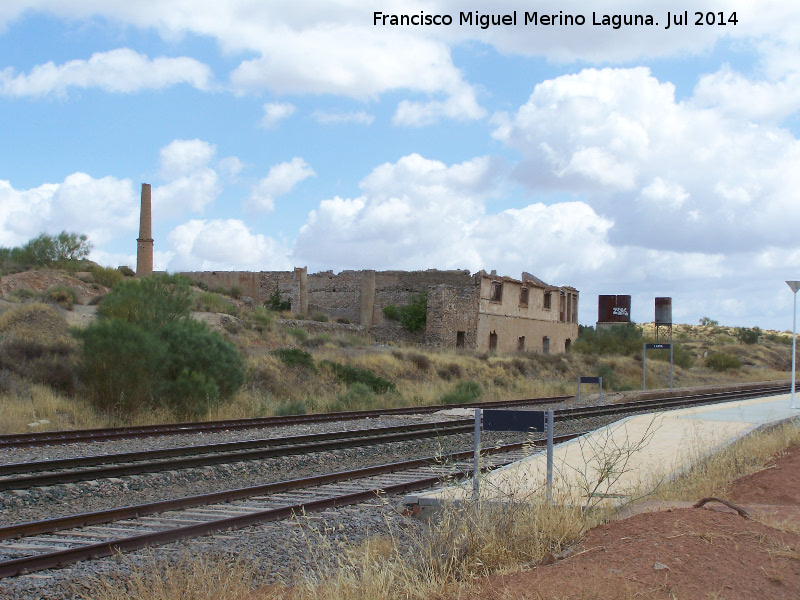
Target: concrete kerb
pixel 680 457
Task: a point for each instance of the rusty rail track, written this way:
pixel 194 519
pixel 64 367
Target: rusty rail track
pixel 71 539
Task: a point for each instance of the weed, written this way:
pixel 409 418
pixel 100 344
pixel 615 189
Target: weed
pixel 294 357
pixel 464 393
pixel 301 335
pixel 62 295
pixel 721 361
pixel 106 276
pixel 319 316
pixel 351 375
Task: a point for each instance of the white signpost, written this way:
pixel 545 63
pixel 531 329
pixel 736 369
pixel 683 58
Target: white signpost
pixel 794 286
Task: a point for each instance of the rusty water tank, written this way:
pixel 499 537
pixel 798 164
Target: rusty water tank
pixel 614 308
pixel 663 311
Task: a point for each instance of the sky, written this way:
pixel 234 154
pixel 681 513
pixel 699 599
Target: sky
pixel 632 158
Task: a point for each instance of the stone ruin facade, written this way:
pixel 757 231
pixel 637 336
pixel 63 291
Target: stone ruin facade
pixel 483 311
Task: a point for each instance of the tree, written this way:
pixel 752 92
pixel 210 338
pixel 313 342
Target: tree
pixel 150 302
pixel 52 251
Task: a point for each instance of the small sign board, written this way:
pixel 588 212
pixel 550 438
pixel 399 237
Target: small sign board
pixel 657 346
pixel 513 420
pixel 589 380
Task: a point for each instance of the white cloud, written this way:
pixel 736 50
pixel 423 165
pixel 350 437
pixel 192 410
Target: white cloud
pixel 191 183
pixel 461 106
pixel 122 71
pixel 181 157
pixel 281 179
pixel 223 244
pixel 274 112
pixel 420 213
pixel 231 166
pixel 335 118
pixel 101 208
pixel 670 174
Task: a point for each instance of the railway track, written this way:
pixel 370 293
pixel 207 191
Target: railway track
pixel 55 543
pixel 18 476
pixel 48 438
pixel 52 543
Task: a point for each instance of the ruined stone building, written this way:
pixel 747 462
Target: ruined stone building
pixel 483 311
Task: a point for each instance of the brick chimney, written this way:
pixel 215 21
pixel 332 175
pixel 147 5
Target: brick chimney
pixel 144 243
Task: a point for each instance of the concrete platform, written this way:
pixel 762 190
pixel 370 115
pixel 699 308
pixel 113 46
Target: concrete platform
pixel 627 458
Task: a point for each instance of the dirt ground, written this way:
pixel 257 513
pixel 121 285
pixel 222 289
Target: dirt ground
pixel 676 552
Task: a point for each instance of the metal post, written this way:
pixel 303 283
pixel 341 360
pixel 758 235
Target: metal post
pixel 670 366
pixel 476 469
pixel 579 389
pixel 794 342
pixel 644 358
pixel 601 391
pixel 549 428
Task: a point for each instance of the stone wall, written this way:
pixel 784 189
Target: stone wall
pixel 247 281
pixel 453 309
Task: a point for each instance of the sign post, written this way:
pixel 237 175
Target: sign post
pixel 659 346
pixel 598 380
pixel 794 286
pixel 511 420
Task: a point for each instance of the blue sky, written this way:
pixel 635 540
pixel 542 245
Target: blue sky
pixel 636 160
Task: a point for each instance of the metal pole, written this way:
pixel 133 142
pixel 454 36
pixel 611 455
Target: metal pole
pixel 549 428
pixel 644 358
pixel 601 391
pixel 794 343
pixel 670 366
pixel 579 389
pixel 476 468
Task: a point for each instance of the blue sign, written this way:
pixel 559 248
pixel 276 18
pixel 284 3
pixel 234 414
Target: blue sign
pixel 657 346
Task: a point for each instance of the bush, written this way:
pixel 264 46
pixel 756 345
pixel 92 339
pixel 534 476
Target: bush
pixel 301 335
pixel 149 302
pixel 625 339
pixel 121 365
pixel 391 312
pixel 261 319
pixel 294 357
pixel 126 271
pixel 274 302
pixel 411 316
pixel 709 322
pixel 22 294
pixel 194 348
pixel 290 407
pixel 359 397
pixel 350 375
pixel 464 393
pixel 681 355
pixel 62 295
pixel 343 320
pixel 106 276
pixel 235 292
pixel 720 361
pixel 747 335
pixel 319 316
pixel 213 303
pixel 450 371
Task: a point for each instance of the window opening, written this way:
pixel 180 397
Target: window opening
pixel 547 301
pixel 493 340
pixel 521 344
pixel 545 345
pixel 497 291
pixel 461 339
pixel 523 296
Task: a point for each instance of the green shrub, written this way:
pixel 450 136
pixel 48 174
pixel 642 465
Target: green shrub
pixel 319 316
pixel 149 302
pixel 411 316
pixel 681 355
pixel 194 347
pixel 213 303
pixel 62 295
pixel 720 361
pixel 391 312
pixel 464 393
pixel 189 395
pixel 301 335
pixel 126 271
pixel 121 365
pixel 450 371
pixel 106 276
pixel 707 321
pixel 747 335
pixel 343 320
pixel 22 294
pixel 235 292
pixel 290 407
pixel 350 375
pixel 274 302
pixel 294 357
pixel 625 339
pixel 261 319
pixel 318 340
pixel 360 396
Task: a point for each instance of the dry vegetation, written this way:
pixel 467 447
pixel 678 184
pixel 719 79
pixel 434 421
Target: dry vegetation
pixel 40 388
